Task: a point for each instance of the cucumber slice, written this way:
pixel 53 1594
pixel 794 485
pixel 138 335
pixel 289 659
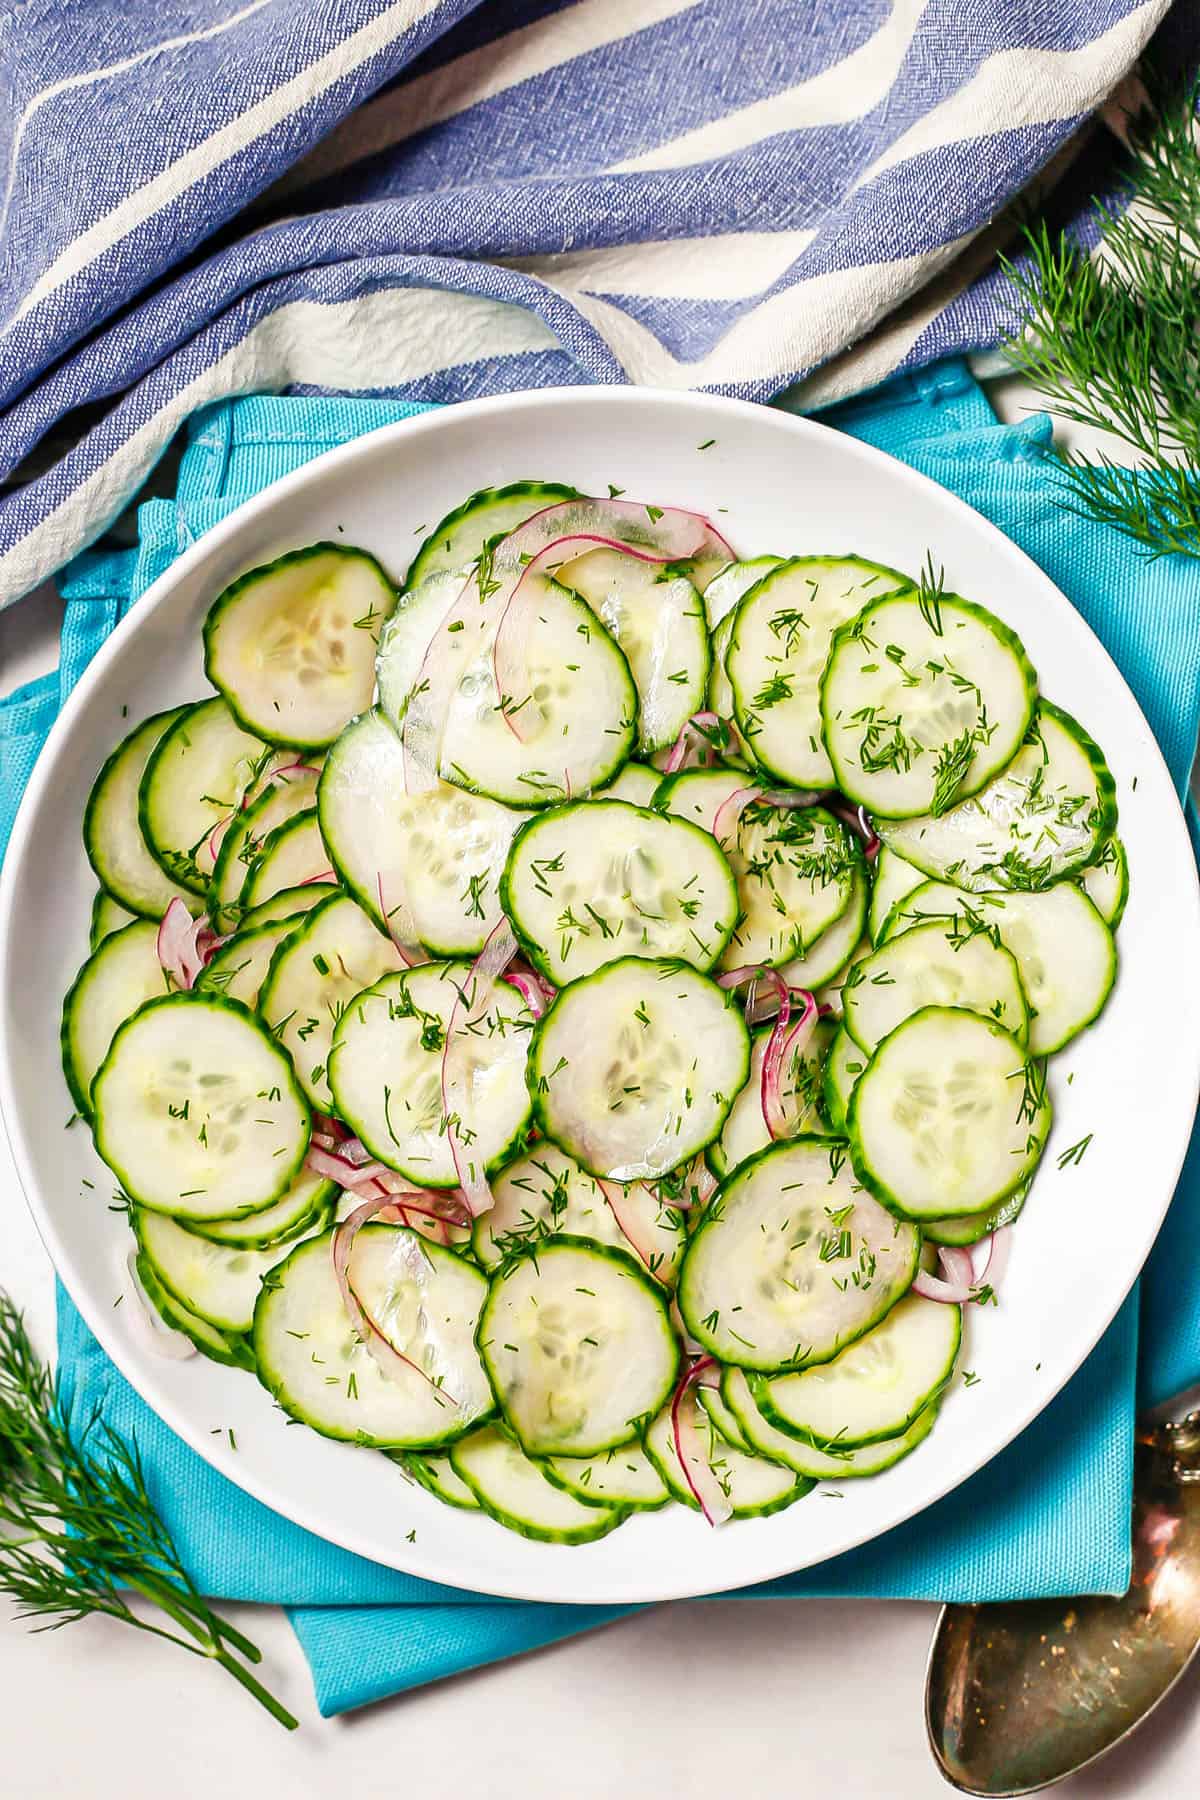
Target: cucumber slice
pixel 745 1130
pixel 435 1473
pixel 113 983
pixel 1048 815
pixel 197 1111
pixel 1106 882
pixel 578 1346
pixel 923 701
pixel 588 883
pixel 239 967
pixel 972 1226
pixel 949 1117
pixel 246 836
pixel 933 965
pixel 754 1487
pixel 457 540
pixel 844 1064
pixel 634 1069
pixel 108 915
pixel 308 1201
pixel 291 903
pixel 218 1346
pixel 876 1388
pixel 698 795
pixel 806 1459
pixel 778 645
pixel 622 1477
pixel 1063 949
pixel 385 1071
pixel 436 857
pixel 516 1492
pixel 334 954
pixel 792 1261
pixel 637 783
pixel 425 1299
pixel 578 716
pixel 194 780
pixel 720 690
pixel 545 1193
pixel 293 855
pixel 829 994
pixel 219 1283
pixel 291 645
pixel 795 872
pixel 721 1418
pixel 828 956
pixel 112 833
pixel 726 589
pixel 658 620
pixel 894 878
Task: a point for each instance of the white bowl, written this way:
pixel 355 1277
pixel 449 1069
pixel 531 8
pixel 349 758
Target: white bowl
pixel 773 483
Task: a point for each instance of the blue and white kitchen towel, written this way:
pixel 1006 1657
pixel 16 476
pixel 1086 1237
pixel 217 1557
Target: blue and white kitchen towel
pixel 432 199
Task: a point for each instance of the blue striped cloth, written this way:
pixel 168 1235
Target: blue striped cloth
pixel 430 199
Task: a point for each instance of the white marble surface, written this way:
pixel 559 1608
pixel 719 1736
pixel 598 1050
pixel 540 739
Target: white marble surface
pixel 700 1701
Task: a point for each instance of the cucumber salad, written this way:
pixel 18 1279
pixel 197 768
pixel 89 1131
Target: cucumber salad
pixel 577 1022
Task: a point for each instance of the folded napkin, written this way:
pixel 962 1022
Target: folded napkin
pixel 727 194
pixel 1051 1513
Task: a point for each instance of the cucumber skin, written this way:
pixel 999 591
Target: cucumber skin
pixel 679 1490
pixel 83 1102
pixel 581 1494
pixel 200 885
pixel 626 1261
pixel 541 493
pixel 168 719
pixel 877 1188
pixel 930 1413
pixel 321 1215
pixel 274 839
pixel 414 1464
pixel 228 596
pixel 607 1519
pixel 238 1355
pixel 843 636
pixel 760 1388
pixel 235 1006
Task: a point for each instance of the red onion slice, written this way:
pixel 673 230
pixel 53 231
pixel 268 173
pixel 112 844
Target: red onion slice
pixel 404 934
pixel 701 735
pixel 729 813
pixel 184 944
pixel 930 1287
pixel 498 951
pixel 710 1496
pixel 633 1229
pixel 786 1040
pixel 536 992
pixel 323 875
pixel 377 1345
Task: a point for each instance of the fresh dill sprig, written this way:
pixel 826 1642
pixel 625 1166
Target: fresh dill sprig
pixel 78 1531
pixel 1112 342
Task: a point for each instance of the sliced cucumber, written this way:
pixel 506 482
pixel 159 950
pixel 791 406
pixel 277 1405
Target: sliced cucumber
pixel 720 690
pixel 1048 815
pixel 117 978
pixel 793 1250
pixel 308 1201
pixel 245 837
pixel 108 915
pixel 424 1299
pixel 933 965
pixel 721 1418
pixel 219 1283
pixel 876 1388
pixel 386 1070
pixel 829 994
pixel 194 780
pixel 753 1486
pixel 291 903
pixel 545 1192
pixel 622 1477
pixel 588 883
pixel 970 1227
pixel 727 587
pixel 291 645
pixel 293 855
pixel 949 1117
pixel 240 966
pixel 777 650
pixel 746 1130
pixel 434 1471
pixel 923 701
pixel 218 1346
pixel 894 878
pixel 578 707
pixel 634 1069
pixel 795 872
pixel 698 795
pixel 432 860
pixel 578 1346
pixel 112 833
pixel 657 617
pixel 1106 882
pixel 806 1459
pixel 637 783
pixel 334 954
pixel 1063 949
pixel 197 1111
pixel 457 540
pixel 828 956
pixel 517 1493
pixel 843 1066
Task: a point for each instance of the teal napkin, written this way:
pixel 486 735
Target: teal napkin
pixel 1050 1515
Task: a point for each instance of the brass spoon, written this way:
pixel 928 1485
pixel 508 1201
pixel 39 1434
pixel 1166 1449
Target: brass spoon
pixel 1021 1694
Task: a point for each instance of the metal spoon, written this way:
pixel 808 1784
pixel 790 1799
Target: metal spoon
pixel 1021 1694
